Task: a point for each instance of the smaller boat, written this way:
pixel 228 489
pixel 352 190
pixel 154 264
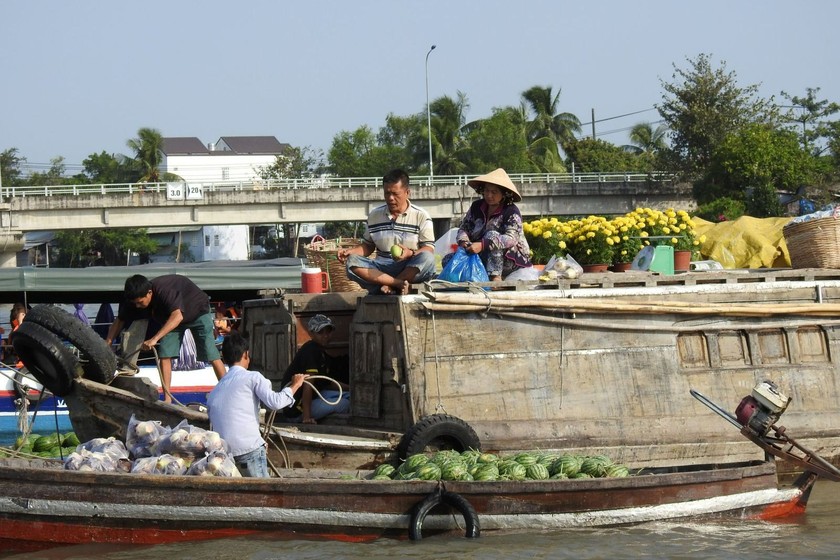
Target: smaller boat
pixel 42 504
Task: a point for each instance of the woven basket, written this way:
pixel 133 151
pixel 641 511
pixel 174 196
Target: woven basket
pixel 323 253
pixel 814 244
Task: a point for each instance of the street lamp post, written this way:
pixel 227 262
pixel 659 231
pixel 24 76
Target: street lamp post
pixel 429 116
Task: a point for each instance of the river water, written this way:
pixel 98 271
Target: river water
pixel 811 536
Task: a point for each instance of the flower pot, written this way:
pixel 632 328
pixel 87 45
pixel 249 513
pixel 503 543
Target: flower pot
pixel 595 267
pixel 682 261
pixel 621 267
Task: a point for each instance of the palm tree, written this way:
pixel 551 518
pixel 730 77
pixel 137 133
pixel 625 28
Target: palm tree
pixel 148 152
pixel 644 139
pixel 547 122
pixel 448 141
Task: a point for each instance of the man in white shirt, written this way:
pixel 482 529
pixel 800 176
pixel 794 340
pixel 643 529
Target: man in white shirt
pixel 234 406
pixel 403 237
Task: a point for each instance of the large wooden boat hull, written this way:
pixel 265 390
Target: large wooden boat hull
pixel 600 365
pixel 51 506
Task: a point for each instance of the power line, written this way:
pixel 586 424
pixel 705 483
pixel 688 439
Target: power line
pixel 596 121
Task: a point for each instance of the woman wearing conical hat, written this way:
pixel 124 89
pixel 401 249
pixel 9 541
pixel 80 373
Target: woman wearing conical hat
pixel 492 227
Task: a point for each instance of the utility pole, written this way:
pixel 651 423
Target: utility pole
pixel 593 123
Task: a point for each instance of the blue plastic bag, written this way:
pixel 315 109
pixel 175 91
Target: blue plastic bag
pixel 464 268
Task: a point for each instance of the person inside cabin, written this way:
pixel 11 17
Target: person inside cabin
pixel 221 324
pixel 234 406
pixel 177 304
pixel 403 238
pixel 316 357
pixel 492 227
pixel 16 316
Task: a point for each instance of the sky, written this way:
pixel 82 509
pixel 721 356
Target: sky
pixel 82 77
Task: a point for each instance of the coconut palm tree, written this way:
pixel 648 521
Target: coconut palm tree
pixel 449 143
pixel 148 152
pixel 547 122
pixel 644 139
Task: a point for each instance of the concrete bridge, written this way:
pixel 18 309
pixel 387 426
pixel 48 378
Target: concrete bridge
pixel 68 207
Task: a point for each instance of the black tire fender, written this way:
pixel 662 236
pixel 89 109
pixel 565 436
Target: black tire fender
pixel 99 363
pixel 45 356
pixel 443 430
pixel 31 394
pixel 451 499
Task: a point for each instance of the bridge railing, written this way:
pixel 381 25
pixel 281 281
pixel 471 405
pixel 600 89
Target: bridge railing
pixel 327 182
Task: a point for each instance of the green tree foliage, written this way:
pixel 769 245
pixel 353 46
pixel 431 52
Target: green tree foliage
pixel 82 248
pixel 812 115
pixel 757 156
pixel 295 163
pixel 111 168
pixel 701 107
pixel 593 156
pixel 547 122
pixel 148 152
pixel 53 176
pixel 359 154
pixel 10 162
pixel 500 141
pixel 721 210
pixel 449 143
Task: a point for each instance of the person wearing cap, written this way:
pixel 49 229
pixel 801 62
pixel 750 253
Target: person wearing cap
pixel 492 227
pixel 402 236
pixel 234 406
pixel 315 357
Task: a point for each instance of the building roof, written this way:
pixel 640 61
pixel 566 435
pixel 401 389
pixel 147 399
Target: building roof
pixel 253 145
pixel 184 145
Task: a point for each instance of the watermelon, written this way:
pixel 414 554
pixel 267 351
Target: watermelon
pixel 429 471
pixel 536 472
pixel 486 471
pixel 617 471
pixel 487 458
pixel 454 470
pixel 566 464
pixel 45 443
pixel 381 477
pixel 70 440
pixel 513 470
pixel 526 459
pixel 384 469
pixel 415 462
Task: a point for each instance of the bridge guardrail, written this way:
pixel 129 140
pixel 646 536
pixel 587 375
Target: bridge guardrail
pixel 328 182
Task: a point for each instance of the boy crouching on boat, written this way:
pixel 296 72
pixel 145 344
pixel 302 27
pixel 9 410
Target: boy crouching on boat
pixel 234 406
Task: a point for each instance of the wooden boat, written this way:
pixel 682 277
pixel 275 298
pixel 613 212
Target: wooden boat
pixel 42 505
pixel 594 365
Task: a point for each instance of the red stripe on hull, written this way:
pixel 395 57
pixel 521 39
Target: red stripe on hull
pixel 50 534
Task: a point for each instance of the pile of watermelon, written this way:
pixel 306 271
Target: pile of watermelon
pixel 50 446
pixel 474 465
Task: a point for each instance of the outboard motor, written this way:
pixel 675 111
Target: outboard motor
pixel 763 408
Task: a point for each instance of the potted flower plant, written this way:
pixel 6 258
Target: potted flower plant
pixel 546 238
pixel 592 242
pixel 628 241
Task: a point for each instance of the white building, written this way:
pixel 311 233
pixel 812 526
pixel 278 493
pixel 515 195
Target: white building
pixel 230 158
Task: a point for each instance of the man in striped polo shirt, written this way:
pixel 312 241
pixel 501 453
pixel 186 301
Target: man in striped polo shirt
pixel 403 238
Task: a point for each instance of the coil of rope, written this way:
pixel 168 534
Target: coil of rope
pixel 269 420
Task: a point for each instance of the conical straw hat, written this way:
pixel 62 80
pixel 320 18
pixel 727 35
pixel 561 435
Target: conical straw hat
pixel 500 178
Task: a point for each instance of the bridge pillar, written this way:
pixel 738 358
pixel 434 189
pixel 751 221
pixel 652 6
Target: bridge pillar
pixel 10 243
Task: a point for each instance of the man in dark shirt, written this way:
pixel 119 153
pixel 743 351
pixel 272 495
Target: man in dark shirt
pixel 177 304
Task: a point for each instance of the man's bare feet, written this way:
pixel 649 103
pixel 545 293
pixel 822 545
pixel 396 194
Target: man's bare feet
pixel 495 278
pixel 403 290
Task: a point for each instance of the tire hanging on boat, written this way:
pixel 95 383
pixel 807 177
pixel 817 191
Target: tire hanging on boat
pixel 438 431
pixel 451 499
pixel 45 356
pixel 31 394
pixel 99 363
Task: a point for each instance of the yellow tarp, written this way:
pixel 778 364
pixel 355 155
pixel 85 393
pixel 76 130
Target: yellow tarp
pixel 745 243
